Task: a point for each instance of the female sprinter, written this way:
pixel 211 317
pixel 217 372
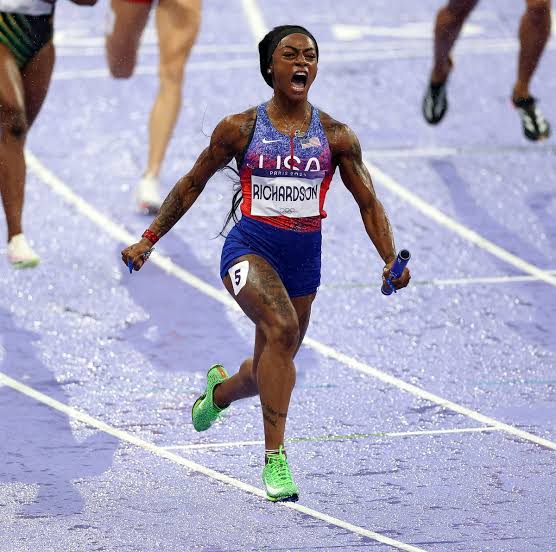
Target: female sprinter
pixel 26 62
pixel 177 23
pixel 286 151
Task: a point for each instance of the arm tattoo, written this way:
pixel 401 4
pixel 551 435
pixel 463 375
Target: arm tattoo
pixel 171 211
pixel 246 127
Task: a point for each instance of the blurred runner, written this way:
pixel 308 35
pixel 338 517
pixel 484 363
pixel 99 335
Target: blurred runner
pixel 534 32
pixel 26 62
pixel 177 24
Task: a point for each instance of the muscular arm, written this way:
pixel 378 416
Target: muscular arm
pixel 346 152
pixel 226 141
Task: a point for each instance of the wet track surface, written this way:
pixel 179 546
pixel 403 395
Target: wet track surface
pixel 132 351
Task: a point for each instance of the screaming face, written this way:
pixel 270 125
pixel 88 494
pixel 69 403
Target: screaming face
pixel 294 66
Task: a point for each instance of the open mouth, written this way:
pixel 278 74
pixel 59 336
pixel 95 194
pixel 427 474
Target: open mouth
pixel 299 80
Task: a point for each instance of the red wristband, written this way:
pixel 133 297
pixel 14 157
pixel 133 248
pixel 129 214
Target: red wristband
pixel 150 235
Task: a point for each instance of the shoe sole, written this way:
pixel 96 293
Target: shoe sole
pixel 291 498
pixel 435 120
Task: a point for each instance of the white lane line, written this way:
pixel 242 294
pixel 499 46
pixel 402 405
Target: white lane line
pixel 446 281
pixel 350 437
pixel 436 152
pixel 444 220
pixel 255 18
pixel 483 280
pixel 166 264
pixel 227 444
pixel 194 466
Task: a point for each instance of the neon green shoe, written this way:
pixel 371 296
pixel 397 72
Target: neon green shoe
pixel 278 479
pixel 204 412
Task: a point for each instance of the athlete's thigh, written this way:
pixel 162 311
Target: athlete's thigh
pixel 127 20
pixel 36 79
pixel 177 23
pixel 259 291
pixel 12 94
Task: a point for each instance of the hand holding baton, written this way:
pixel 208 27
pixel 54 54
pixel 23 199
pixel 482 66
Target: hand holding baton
pixel 396 271
pixel 145 256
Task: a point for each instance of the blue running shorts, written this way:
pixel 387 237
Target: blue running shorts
pixel 296 256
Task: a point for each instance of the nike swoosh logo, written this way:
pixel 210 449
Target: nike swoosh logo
pixel 265 141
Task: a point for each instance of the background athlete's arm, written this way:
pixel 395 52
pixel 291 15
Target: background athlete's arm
pixel 226 141
pixel 356 178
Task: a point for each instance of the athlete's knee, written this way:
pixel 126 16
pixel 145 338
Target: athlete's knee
pixel 171 74
pixel 121 68
pixel 121 72
pixel 539 9
pixel 283 332
pixel 13 122
pixel 121 60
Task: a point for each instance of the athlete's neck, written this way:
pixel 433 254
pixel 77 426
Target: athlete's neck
pixel 291 115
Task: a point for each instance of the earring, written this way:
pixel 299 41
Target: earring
pixel 268 70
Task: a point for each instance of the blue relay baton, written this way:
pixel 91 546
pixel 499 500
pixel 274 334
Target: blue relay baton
pixel 146 255
pixel 396 271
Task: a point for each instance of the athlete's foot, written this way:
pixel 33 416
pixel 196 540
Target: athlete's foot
pixel 278 479
pixel 205 411
pixel 20 253
pixel 435 102
pixel 147 195
pixel 535 126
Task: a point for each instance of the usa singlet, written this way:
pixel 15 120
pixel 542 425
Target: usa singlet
pixel 284 181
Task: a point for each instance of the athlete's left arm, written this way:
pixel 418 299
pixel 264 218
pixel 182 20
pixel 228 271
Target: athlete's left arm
pixel 346 152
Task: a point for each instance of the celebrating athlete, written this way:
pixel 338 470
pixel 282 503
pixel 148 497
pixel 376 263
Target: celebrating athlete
pixel 286 151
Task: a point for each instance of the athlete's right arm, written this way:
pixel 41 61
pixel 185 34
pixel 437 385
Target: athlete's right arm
pixel 228 140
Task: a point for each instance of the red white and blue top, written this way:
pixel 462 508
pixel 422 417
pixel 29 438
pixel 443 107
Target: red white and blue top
pixel 284 179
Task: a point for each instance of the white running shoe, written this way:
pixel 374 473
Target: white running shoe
pixel 21 254
pixel 147 195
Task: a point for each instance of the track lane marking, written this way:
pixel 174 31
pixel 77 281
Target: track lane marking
pixel 194 466
pixel 348 437
pixel 447 281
